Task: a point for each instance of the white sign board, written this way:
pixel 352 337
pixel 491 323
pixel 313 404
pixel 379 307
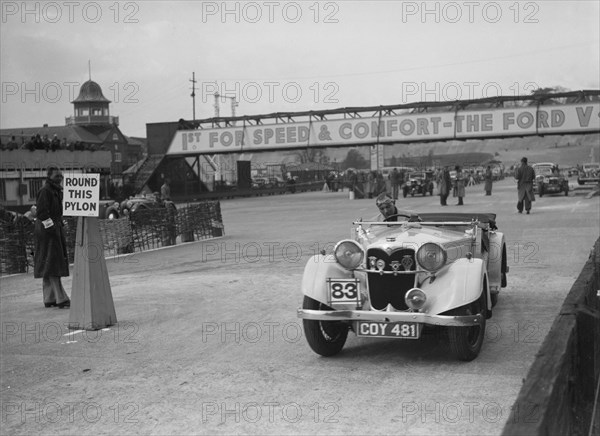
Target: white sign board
pixel 81 194
pixel 435 126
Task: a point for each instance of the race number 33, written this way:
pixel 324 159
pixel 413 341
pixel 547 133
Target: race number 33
pixel 343 290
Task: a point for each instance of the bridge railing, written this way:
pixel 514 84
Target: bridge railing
pixel 560 393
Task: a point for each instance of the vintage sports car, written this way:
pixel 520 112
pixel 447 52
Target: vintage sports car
pixel 419 182
pixel 109 209
pixel 394 279
pixel 141 202
pixel 548 180
pixel 590 173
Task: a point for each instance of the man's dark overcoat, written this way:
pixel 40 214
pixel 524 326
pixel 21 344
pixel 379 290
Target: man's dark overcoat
pixel 50 252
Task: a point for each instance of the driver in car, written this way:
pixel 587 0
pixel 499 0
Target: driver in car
pixel 388 210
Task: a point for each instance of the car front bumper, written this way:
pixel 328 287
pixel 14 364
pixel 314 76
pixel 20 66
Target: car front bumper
pixel 368 315
pixel 553 188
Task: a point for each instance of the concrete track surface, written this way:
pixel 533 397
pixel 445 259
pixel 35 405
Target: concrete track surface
pixel 208 341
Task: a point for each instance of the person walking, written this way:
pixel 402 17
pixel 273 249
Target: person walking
pixel 525 176
pixel 444 186
pixel 50 258
pixel 488 177
pixel 395 176
pixel 460 185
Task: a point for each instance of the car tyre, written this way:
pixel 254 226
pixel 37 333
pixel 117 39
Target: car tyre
pixel 494 298
pixel 466 342
pixel 326 338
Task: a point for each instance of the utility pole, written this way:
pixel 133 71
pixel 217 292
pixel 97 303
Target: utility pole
pixel 193 80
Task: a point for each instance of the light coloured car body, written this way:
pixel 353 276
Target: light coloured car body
pixel 474 271
pixel 548 182
pixel 590 173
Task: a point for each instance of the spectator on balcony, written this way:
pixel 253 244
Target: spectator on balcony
pixel 46 142
pixel 55 144
pixel 30 145
pixel 12 144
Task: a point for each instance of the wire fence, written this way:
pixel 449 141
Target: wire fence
pixel 143 230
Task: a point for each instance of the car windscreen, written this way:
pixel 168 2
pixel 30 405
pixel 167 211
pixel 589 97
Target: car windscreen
pixel 544 171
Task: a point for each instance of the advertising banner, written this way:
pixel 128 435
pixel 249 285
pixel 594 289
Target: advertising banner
pixel 435 126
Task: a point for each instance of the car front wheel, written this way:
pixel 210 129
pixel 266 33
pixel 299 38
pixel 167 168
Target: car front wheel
pixel 466 342
pixel 326 338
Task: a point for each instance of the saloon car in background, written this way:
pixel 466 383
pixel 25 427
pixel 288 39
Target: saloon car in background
pixel 548 180
pixel 419 182
pixel 395 279
pixel 590 173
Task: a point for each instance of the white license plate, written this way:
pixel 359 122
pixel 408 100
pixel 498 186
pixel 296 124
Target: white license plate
pixel 403 330
pixel 343 291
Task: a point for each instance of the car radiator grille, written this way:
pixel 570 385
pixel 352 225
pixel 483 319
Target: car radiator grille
pixel 387 289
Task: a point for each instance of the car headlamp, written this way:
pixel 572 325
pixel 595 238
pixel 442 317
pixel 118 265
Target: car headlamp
pixel 415 298
pixel 349 254
pixel 431 256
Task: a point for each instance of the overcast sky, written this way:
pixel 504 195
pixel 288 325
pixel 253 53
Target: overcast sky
pixel 285 56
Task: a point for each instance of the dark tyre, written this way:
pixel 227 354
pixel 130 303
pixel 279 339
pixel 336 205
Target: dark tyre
pixel 466 342
pixel 494 299
pixel 326 338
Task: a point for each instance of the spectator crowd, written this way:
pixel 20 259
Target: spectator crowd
pixel 39 142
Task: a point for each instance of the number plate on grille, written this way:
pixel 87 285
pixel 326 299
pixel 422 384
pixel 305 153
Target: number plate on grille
pixel 403 330
pixel 343 291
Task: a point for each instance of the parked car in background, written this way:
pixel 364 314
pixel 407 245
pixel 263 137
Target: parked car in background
pixel 590 173
pixel 549 180
pixel 419 182
pixel 260 183
pixel 276 182
pixel 396 278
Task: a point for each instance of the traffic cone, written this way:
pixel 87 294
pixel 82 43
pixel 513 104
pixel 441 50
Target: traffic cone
pixel 92 306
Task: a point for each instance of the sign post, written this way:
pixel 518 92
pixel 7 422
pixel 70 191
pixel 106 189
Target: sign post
pixel 92 306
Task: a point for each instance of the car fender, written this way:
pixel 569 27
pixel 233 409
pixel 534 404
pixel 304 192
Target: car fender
pixel 111 209
pixel 460 284
pixel 497 255
pixel 316 272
